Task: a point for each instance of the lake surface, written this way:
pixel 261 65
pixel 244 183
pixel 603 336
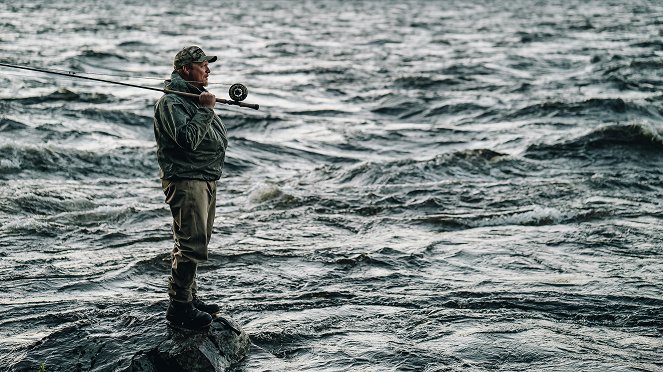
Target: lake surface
pixel 428 185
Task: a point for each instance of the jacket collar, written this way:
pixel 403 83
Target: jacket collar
pixel 176 82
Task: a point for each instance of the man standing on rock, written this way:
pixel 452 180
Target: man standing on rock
pixel 191 147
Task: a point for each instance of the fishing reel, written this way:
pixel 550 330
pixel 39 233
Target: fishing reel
pixel 238 92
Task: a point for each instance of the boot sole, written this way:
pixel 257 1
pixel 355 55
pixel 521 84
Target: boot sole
pixel 178 325
pixel 212 314
pixel 182 327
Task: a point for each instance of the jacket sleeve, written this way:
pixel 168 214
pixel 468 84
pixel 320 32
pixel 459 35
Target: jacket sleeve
pixel 188 132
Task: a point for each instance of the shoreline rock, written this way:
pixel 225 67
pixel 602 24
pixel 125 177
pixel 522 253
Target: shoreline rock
pixel 133 339
pixel 216 348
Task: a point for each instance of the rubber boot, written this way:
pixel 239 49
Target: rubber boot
pixel 185 315
pixel 210 309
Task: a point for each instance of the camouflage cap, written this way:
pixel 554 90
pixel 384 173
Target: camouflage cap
pixel 191 54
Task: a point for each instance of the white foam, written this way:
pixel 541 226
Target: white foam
pixel 13 163
pixel 264 192
pixel 538 215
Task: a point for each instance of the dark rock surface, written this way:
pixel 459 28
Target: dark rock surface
pixel 135 339
pixel 214 349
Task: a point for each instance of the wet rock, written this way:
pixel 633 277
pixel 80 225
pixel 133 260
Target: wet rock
pixel 131 338
pixel 214 349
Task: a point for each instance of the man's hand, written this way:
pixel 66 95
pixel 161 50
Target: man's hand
pixel 207 99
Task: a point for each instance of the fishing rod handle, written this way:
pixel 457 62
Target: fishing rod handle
pixel 254 106
pixel 220 100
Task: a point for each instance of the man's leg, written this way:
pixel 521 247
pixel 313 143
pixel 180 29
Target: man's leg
pixel 211 212
pixel 190 203
pixel 197 302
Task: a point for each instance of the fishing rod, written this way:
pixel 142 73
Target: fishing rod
pixel 237 92
pixel 130 76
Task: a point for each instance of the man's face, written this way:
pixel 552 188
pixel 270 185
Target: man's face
pixel 199 73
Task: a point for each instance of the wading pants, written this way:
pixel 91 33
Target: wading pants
pixel 192 203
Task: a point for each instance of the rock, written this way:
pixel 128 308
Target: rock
pixel 128 338
pixel 214 349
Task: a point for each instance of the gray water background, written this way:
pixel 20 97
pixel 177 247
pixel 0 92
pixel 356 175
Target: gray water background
pixel 428 186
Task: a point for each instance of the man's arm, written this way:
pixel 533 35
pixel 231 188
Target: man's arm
pixel 187 132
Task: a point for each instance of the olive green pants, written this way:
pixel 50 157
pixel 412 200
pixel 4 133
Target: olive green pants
pixel 192 204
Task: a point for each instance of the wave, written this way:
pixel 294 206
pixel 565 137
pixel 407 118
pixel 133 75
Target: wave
pixel 66 95
pixel 620 139
pixel 427 81
pixel 459 108
pixel 17 160
pixel 383 257
pixel 468 70
pixel 466 163
pixel 244 154
pixel 265 192
pixel 321 112
pixel 100 55
pixel 537 36
pixel 595 106
pixel 117 116
pixel 33 227
pixel 536 215
pixel 407 108
pixel 401 107
pixel 237 122
pixel 134 44
pixel 610 310
pixel 46 202
pixel 618 63
pixel 639 74
pixel 7 125
pixel 622 82
pixel 649 44
pixel 333 70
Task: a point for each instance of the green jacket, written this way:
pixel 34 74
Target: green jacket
pixel 191 140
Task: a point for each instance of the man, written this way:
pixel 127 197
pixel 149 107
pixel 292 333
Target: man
pixel 191 146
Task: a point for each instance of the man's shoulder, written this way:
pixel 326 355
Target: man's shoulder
pixel 170 98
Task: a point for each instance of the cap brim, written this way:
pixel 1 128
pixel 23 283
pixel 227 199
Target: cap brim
pixel 209 59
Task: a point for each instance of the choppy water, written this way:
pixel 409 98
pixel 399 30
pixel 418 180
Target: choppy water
pixel 428 186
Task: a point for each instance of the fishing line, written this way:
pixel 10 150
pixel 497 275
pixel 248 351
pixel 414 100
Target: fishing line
pixel 118 76
pixel 43 79
pixel 238 92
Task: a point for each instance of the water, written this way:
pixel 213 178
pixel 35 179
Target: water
pixel 428 186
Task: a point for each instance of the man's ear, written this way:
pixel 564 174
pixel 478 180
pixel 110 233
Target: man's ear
pixel 186 70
